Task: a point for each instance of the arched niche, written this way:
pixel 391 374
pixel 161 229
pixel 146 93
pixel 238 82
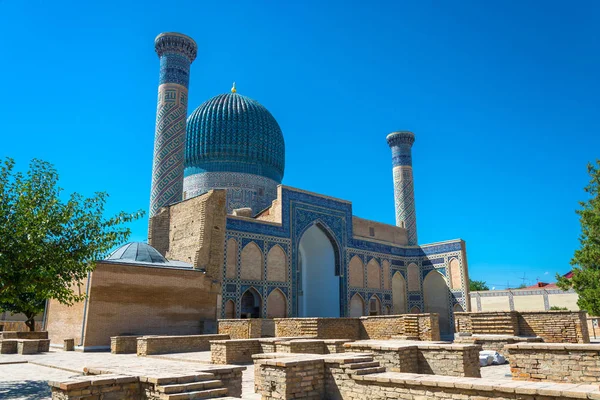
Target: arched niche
pixel 415 310
pixel 386 274
pixel 399 293
pixel 412 272
pixel 251 304
pixel 357 306
pixel 276 304
pixel 374 306
pixel 229 309
pixel 251 263
pixel 436 296
pixel 356 272
pixel 231 263
pixel 454 268
pixel 319 288
pixel 373 274
pixel 276 265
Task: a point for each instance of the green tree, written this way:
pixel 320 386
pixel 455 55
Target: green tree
pixel 47 245
pixel 477 286
pixel 586 260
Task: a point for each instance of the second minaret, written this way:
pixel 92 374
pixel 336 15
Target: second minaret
pixel 176 53
pixel 404 195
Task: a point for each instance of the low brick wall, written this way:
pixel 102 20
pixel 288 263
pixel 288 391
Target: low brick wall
pixel 23 335
pixel 231 378
pixel 123 344
pixel 237 351
pixel 555 326
pixel 233 351
pixel 297 379
pixel 422 326
pixel 24 346
pixel 551 326
pixel 496 342
pixel 556 362
pixel 246 328
pixel 341 378
pixel 422 357
pixel 106 387
pixel 308 346
pixel 148 345
pixel 18 326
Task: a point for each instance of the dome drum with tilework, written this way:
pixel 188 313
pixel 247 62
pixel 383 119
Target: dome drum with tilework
pixel 233 142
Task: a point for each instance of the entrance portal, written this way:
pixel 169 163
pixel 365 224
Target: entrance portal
pixel 437 294
pixel 319 283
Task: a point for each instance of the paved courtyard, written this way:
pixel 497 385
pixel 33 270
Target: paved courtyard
pixel 25 377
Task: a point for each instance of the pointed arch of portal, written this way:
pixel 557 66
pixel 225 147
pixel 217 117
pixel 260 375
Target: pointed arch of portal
pixel 436 297
pixel 319 272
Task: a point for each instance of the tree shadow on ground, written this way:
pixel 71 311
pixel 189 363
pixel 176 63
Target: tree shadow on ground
pixel 25 390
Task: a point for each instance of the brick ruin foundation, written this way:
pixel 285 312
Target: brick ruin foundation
pixel 551 326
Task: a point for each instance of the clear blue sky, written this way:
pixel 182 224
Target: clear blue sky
pixel 503 98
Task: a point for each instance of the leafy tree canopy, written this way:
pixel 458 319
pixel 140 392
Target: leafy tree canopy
pixel 586 260
pixel 477 286
pixel 47 245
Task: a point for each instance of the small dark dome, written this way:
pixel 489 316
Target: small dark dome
pixel 233 133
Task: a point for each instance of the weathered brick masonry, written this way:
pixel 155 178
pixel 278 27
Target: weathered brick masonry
pixel 348 377
pixel 147 345
pixel 423 326
pixel 551 326
pixel 575 363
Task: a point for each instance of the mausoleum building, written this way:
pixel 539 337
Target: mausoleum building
pixel 266 249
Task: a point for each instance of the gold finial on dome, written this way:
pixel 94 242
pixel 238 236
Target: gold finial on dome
pixel 233 89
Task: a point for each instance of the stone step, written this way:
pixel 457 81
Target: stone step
pixel 200 394
pixel 177 379
pixel 366 371
pixel 360 365
pixel 189 387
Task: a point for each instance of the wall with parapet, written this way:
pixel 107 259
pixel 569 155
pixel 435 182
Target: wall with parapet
pixel 552 326
pixel 134 299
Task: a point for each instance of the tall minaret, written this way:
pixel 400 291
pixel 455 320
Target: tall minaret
pixel 404 195
pixel 176 53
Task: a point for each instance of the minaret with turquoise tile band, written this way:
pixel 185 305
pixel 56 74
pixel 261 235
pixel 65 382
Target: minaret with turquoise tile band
pixel 404 196
pixel 176 53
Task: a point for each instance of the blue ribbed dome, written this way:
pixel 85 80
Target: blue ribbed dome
pixel 233 133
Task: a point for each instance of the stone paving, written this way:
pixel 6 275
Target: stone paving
pixel 24 377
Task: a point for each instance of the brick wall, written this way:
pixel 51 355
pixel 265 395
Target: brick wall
pixel 551 326
pixel 148 345
pixel 106 387
pixel 574 363
pixel 423 326
pixel 289 378
pixel 136 300
pixel 423 358
pixel 555 326
pixel 123 344
pixel 240 328
pixel 303 379
pixel 234 351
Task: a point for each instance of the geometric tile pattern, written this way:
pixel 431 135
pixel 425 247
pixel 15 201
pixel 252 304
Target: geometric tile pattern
pixel 243 190
pixel 404 197
pixel 300 211
pixel 176 53
pixel 234 133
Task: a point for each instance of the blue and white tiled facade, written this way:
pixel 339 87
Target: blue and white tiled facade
pixel 232 142
pixel 301 210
